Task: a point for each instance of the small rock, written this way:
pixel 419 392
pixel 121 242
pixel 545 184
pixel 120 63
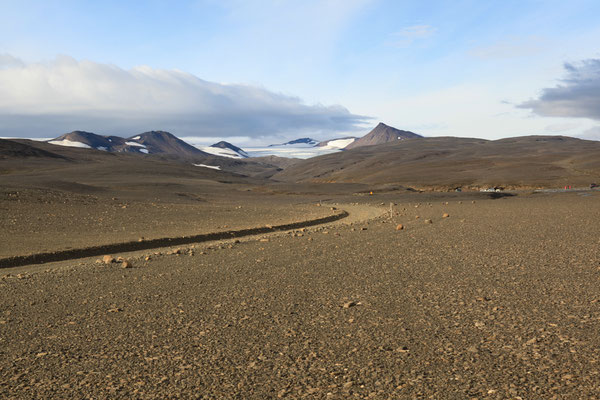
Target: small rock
pixel 108 259
pixel 416 217
pixel 351 304
pixel 126 264
pixel 445 215
pixel 264 240
pixel 428 221
pixel 348 385
pixel 399 227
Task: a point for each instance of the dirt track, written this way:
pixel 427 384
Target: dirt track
pixel 497 301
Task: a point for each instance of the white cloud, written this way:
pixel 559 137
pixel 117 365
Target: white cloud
pixel 591 134
pixel 69 94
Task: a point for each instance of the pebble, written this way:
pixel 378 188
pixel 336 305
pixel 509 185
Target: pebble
pixel 399 227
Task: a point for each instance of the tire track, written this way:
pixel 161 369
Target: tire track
pixel 73 254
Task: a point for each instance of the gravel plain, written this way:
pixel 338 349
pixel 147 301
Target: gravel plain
pixel 500 299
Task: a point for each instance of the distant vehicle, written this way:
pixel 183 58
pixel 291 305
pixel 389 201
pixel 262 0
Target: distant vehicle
pixel 593 186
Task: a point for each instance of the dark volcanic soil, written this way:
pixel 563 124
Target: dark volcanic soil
pixel 499 300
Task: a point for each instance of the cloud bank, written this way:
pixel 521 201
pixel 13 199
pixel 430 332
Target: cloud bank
pixel 577 96
pixel 42 99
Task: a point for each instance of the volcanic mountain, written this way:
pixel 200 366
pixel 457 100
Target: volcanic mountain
pixel 89 140
pixel 382 133
pixel 161 142
pixel 154 142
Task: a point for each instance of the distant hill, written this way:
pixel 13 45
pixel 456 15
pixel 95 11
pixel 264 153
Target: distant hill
pixel 382 133
pixel 445 163
pixel 10 149
pixel 153 142
pixel 225 149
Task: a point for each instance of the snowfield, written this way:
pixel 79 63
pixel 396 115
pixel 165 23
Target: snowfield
pixel 339 143
pixel 69 143
pixel 217 151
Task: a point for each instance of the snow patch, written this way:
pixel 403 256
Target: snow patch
pixel 102 148
pixel 135 144
pixel 145 151
pixel 137 138
pixel 207 166
pixel 69 143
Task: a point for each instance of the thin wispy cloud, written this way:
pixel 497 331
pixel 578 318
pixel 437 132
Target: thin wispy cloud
pixel 408 35
pixel 577 96
pixel 68 94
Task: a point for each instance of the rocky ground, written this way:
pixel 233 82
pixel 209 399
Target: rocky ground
pixel 42 220
pixel 498 299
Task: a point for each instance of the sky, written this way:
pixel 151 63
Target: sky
pixel 272 70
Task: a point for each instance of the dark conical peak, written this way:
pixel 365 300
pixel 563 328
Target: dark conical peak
pixel 382 133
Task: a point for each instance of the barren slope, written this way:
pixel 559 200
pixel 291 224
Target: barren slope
pixel 445 163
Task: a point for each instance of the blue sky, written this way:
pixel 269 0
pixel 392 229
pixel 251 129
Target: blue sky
pixel 270 70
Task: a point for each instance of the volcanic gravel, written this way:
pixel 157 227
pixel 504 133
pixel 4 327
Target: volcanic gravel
pixel 500 299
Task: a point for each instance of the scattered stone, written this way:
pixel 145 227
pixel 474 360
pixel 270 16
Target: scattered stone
pixel 416 217
pixel 428 221
pixel 264 240
pixel 351 304
pixel 399 227
pixel 363 229
pixel 108 259
pixel 148 258
pixel 126 264
pixel 445 215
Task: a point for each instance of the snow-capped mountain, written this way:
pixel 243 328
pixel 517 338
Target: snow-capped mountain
pixel 225 149
pixel 153 142
pixel 302 142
